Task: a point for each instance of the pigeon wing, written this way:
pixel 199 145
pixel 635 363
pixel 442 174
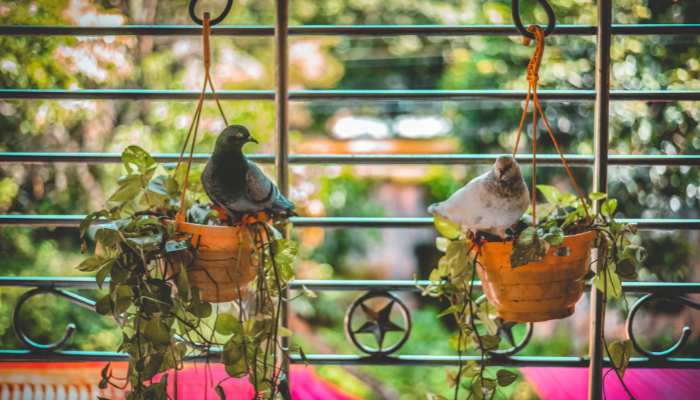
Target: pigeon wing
pixel 259 187
pixel 464 206
pixel 262 191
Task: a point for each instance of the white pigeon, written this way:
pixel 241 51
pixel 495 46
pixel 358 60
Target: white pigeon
pixel 491 202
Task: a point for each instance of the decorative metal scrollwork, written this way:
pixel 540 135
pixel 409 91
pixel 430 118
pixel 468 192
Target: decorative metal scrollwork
pixel 685 332
pixel 70 328
pixel 505 331
pixel 377 322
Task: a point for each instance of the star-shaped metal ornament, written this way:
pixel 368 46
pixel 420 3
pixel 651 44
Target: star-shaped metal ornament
pixel 379 323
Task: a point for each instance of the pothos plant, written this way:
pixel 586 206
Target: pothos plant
pixel 162 317
pixel 619 256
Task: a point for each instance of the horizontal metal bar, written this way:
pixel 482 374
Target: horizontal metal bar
pixel 513 361
pixel 371 159
pixel 67 282
pixel 388 222
pixel 73 220
pixel 351 359
pixel 130 94
pixel 341 94
pixel 345 30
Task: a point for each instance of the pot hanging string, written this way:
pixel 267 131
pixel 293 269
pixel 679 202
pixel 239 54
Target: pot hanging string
pixel 533 69
pixel 191 137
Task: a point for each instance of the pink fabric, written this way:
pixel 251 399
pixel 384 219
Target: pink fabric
pixel 645 384
pixel 195 382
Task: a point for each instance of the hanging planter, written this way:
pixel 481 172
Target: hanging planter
pixel 536 272
pixel 540 275
pixel 539 290
pixel 224 262
pixel 165 258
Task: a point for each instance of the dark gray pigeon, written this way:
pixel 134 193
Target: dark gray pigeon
pixel 236 184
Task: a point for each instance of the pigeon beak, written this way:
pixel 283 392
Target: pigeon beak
pixel 252 139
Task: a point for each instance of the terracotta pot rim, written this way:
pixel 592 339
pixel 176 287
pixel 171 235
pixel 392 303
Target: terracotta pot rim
pixel 208 230
pixel 567 238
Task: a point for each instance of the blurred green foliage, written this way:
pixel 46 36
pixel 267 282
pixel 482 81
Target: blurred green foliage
pixel 406 62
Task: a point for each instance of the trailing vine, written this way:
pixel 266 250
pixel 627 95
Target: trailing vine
pixel 142 261
pixel 619 256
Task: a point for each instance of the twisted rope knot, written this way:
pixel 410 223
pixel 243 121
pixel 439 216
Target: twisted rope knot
pixel 533 67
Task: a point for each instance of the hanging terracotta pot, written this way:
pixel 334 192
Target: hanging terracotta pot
pixel 537 291
pixel 223 260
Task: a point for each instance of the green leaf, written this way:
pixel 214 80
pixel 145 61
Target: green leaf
pixel 136 159
pixel 626 269
pixel 156 332
pixel 102 275
pixel 453 309
pixel 285 252
pixel 620 353
pixel 608 208
pixel 490 342
pixel 163 185
pixel 89 219
pixel 456 262
pixel 94 263
pixel 441 244
pixel 489 384
pixel 233 357
pixel 108 235
pixel 129 188
pixel 505 377
pixel 476 390
pixel 595 196
pixel 123 297
pixel 201 309
pixel 550 193
pixel 104 376
pixel 146 242
pixel 220 392
pixel 459 343
pixel 104 305
pixel 528 247
pixel 608 283
pixel 446 228
pixel 555 236
pixel 485 318
pixel 227 324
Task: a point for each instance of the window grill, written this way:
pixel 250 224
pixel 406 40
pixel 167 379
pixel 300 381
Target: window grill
pixel 601 96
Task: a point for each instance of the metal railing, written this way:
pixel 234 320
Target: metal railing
pixel 600 160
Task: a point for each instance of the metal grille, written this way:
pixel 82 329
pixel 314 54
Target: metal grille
pixel 601 96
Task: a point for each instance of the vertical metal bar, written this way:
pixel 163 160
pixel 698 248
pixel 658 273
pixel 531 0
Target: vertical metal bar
pixel 600 184
pixel 281 132
pixel 282 95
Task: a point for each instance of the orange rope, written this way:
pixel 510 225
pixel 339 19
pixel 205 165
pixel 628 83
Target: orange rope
pixel 533 69
pixel 191 137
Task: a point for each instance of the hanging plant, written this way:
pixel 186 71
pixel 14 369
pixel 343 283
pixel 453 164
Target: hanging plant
pixel 154 296
pixel 538 272
pixel 165 258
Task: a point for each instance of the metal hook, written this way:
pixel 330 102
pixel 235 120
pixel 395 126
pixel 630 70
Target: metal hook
pixel 198 21
pixel 70 328
pixel 551 18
